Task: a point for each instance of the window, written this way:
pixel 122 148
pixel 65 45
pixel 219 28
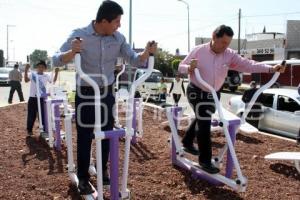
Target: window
pixel 154 77
pixel 285 103
pixel 267 99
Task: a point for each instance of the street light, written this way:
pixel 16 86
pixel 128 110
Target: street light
pixel 188 12
pixel 7 46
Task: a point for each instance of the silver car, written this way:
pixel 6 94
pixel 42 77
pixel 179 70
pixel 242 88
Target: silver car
pixel 281 111
pixel 4 75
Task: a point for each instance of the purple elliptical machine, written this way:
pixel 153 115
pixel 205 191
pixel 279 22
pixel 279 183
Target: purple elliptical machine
pixel 230 124
pixel 137 122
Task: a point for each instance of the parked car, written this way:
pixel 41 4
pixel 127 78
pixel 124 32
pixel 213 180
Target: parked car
pixel 280 111
pixel 4 75
pixel 233 80
pixel 150 86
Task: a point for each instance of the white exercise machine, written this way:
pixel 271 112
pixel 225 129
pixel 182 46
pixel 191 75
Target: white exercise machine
pixel 229 123
pixel 113 136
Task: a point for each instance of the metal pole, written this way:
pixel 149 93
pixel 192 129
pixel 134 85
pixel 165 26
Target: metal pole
pixel 130 23
pixel 7 38
pixel 188 12
pixel 188 9
pixel 239 34
pixel 7 43
pixel 130 40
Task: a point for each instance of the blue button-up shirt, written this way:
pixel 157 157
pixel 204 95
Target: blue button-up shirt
pixel 99 54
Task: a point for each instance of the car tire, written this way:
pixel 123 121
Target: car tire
pixel 235 79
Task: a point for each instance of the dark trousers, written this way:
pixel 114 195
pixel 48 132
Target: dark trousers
pixel 15 86
pixel 176 98
pixel 162 97
pixel 85 120
pixel 32 110
pixel 203 105
pixel 254 115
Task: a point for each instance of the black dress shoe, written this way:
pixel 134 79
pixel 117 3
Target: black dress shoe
pixel 190 149
pixel 106 179
pixel 209 168
pixel 85 187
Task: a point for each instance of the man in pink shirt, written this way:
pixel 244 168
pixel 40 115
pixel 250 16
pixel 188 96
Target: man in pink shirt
pixel 213 60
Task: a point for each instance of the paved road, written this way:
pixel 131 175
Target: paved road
pixel 67 80
pixel 225 96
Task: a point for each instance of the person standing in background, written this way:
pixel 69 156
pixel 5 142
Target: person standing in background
pixel 254 114
pixel 176 87
pixel 15 79
pixel 42 78
pixel 162 88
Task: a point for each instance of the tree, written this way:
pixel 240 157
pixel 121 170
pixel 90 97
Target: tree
pixel 175 64
pixel 38 55
pixel 163 62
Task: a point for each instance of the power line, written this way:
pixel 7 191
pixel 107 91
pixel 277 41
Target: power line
pixel 197 29
pixel 271 15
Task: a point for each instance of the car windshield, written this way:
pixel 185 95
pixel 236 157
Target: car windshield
pixel 4 71
pixel 154 77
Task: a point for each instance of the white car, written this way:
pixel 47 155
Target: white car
pixel 280 111
pixel 150 86
pixel 4 75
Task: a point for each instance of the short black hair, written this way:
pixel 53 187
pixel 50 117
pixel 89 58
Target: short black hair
pixel 41 62
pixel 16 66
pixel 222 30
pixel 109 10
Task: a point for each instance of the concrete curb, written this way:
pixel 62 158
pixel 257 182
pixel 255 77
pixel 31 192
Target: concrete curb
pixel 13 104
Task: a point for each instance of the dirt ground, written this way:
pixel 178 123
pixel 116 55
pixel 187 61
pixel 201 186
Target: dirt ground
pixel 30 170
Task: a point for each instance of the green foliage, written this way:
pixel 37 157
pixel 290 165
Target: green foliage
pixel 163 62
pixel 175 64
pixel 38 55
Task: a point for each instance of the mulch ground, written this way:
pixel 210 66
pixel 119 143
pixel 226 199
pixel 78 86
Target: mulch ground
pixel 30 170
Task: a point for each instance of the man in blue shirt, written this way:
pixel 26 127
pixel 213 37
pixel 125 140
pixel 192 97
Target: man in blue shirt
pixel 100 44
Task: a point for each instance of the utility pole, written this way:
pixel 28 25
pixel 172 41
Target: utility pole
pixel 130 23
pixel 239 33
pixel 130 40
pixel 188 15
pixel 7 40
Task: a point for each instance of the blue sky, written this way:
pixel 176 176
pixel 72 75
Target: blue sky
pixel 41 24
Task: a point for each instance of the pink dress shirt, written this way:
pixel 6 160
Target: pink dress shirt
pixel 213 67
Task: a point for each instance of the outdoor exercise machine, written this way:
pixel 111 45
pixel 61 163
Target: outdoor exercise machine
pixel 125 193
pixel 230 124
pixel 246 127
pixel 52 116
pixel 49 123
pixel 112 135
pixel 49 127
pixel 287 156
pixel 138 106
